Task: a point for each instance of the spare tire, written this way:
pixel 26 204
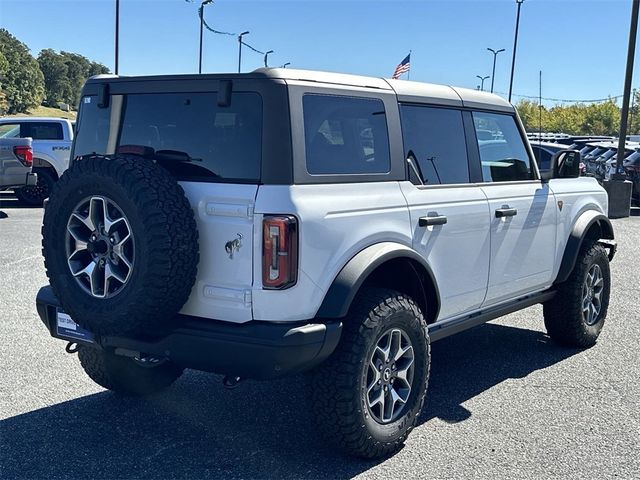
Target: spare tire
pixel 120 245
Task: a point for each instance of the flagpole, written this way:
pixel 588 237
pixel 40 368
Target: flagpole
pixel 409 72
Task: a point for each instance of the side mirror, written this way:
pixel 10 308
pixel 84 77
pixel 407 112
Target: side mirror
pixel 564 164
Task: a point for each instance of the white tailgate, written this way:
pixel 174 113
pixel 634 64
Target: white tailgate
pixel 224 214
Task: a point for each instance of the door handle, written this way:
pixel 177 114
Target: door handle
pixel 506 212
pixel 429 221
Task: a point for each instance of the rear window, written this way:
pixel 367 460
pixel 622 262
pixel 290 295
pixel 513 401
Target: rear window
pixel 187 133
pixel 345 135
pixel 42 130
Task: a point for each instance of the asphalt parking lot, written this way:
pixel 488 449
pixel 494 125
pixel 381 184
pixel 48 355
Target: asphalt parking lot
pixel 504 402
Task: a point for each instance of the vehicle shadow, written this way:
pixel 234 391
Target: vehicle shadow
pixel 8 201
pixel 261 429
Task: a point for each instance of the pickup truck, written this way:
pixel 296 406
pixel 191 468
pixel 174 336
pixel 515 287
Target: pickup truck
pixel 16 158
pixel 52 138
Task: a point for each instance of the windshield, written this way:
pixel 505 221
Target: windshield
pixel 187 133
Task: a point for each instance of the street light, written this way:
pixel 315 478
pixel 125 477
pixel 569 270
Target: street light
pixel 482 79
pixel 117 32
pixel 493 72
pixel 205 2
pixel 240 48
pixel 285 65
pixel 265 58
pixel 515 46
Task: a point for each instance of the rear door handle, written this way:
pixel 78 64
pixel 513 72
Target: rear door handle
pixel 429 221
pixel 506 212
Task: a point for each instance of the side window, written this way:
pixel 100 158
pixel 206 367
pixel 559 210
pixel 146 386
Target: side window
pixel 345 135
pixel 504 158
pixel 543 157
pixel 43 130
pixel 10 130
pixel 436 138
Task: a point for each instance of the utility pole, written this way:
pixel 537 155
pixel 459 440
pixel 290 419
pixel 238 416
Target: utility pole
pixel 540 108
pixel 117 33
pixel 515 47
pixel 240 49
pixel 265 58
pixel 205 2
pixel 493 72
pixel 482 79
pixel 619 188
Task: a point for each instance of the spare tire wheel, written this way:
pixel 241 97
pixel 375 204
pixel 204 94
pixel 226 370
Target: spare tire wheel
pixel 120 245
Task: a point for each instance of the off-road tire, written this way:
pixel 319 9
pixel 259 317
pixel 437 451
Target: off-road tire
pixel 563 317
pixel 123 375
pixel 338 386
pixel 166 243
pixel 34 196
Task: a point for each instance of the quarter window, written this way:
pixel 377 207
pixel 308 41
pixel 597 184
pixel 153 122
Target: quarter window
pixel 504 157
pixel 436 138
pixel 345 135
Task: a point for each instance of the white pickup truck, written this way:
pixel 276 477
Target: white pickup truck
pixel 52 138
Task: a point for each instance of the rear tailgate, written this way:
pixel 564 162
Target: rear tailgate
pixel 13 173
pixel 224 215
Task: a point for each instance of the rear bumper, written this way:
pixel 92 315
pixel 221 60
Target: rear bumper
pixel 258 350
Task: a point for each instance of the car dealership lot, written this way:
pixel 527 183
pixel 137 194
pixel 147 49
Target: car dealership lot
pixel 503 400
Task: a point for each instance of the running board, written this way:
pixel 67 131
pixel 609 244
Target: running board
pixel 440 330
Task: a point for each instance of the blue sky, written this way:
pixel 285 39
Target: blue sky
pixel 580 45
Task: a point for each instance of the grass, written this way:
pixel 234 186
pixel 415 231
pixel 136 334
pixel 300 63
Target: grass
pixel 43 111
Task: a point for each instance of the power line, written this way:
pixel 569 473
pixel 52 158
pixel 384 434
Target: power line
pixel 565 100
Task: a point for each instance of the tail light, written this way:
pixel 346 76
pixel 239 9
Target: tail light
pixel 279 252
pixel 24 154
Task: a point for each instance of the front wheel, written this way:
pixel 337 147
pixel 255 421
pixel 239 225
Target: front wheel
pixel 368 395
pixel 575 316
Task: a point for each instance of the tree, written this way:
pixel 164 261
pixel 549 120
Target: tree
pixel 602 118
pixel 4 68
pixel 56 77
pixel 23 82
pixel 65 74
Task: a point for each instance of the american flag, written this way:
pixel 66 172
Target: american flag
pixel 403 67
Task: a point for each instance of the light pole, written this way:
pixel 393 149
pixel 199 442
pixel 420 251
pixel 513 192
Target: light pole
pixel 205 2
pixel 493 72
pixel 285 65
pixel 515 46
pixel 117 32
pixel 482 79
pixel 240 48
pixel 265 58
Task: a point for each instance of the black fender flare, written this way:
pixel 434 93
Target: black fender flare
pixel 577 236
pixel 345 286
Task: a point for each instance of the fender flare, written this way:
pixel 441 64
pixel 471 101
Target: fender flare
pixel 345 286
pixel 576 238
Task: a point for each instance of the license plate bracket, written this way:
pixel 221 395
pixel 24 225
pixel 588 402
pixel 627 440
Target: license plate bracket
pixel 68 329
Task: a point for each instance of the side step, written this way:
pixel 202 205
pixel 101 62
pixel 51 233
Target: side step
pixel 440 330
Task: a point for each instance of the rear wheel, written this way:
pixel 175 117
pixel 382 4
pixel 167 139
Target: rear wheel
pixel 575 316
pixel 368 395
pixel 127 376
pixel 36 194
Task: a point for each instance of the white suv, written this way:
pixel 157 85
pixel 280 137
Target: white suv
pixel 263 224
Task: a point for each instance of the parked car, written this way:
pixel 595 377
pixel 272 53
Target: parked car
pixel 632 169
pixel 52 139
pixel 543 151
pixel 263 224
pixel 16 158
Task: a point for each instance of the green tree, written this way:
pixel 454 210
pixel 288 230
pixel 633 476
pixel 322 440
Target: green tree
pixel 4 68
pixel 57 87
pixel 530 115
pixel 602 118
pixel 65 74
pixel 23 83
